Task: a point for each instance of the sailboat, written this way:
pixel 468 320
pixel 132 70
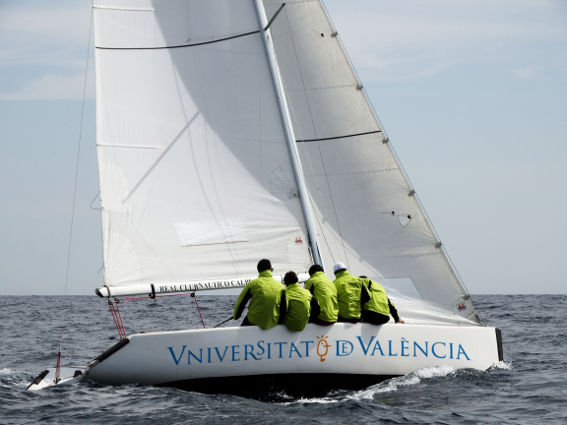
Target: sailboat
pixel 234 130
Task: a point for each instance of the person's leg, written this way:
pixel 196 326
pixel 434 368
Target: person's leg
pixel 344 320
pixel 374 318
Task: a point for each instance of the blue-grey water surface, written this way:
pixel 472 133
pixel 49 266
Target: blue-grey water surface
pixel 529 387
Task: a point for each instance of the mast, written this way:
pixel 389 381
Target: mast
pixel 290 136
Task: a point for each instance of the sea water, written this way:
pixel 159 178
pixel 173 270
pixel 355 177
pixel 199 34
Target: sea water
pixel 528 387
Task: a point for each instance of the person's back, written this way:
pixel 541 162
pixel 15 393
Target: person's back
pixel 351 294
pixel 378 308
pixel 265 295
pixel 325 291
pixel 298 304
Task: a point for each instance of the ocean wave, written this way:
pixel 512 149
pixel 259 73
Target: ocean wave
pixel 390 385
pixel 502 365
pixel 394 384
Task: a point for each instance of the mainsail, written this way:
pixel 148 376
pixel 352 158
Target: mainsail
pixel 367 212
pixel 197 178
pixel 195 173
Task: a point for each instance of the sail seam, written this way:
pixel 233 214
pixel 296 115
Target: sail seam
pixel 108 145
pixel 123 9
pixel 321 88
pixel 362 172
pixel 201 43
pixel 321 139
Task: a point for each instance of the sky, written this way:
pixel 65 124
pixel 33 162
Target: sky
pixel 473 96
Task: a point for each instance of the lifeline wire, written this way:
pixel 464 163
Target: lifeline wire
pixel 67 266
pixel 78 155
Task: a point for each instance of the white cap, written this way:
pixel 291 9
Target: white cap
pixel 338 267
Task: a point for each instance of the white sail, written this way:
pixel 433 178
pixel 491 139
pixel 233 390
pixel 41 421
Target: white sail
pixel 220 125
pixel 195 173
pixel 366 210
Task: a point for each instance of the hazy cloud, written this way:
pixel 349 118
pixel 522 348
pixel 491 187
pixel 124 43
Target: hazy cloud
pixel 415 39
pixel 52 87
pixel 47 23
pixel 43 50
pixel 525 73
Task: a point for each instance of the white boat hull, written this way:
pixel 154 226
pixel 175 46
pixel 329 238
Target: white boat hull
pixel 52 376
pixel 346 349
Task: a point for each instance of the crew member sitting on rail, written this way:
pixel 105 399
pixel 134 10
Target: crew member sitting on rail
pixel 301 305
pixel 324 290
pixel 378 309
pixel 351 294
pixel 267 299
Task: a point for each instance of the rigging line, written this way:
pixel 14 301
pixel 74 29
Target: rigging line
pixel 194 296
pixel 93 201
pixel 274 17
pixel 313 243
pixel 67 267
pixel 325 174
pixel 201 43
pixel 179 46
pixel 58 365
pixel 339 137
pixel 307 156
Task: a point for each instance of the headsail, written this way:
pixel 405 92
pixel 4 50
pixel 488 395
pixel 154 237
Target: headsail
pixel 195 174
pixel 367 212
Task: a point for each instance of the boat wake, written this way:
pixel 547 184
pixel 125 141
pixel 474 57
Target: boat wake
pixel 388 386
pixel 502 365
pixel 395 384
pixel 6 371
pixel 10 378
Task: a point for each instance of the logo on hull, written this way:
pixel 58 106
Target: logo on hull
pixel 322 347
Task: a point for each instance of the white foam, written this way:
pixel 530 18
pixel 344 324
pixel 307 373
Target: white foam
pixel 502 365
pixel 390 385
pixel 6 371
pixel 394 384
pixel 433 372
pixel 323 400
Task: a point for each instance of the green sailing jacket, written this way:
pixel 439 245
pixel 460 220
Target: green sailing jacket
pixel 351 294
pixel 298 307
pixel 264 294
pixel 378 299
pixel 325 291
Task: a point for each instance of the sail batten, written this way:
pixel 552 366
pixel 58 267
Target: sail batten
pixel 345 136
pixel 179 46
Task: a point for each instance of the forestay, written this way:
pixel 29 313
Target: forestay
pixel 367 213
pixel 195 174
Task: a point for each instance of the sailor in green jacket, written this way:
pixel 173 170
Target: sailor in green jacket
pixel 300 304
pixel 267 299
pixel 378 309
pixel 351 294
pixel 324 290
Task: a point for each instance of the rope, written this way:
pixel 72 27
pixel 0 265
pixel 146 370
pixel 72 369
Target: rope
pixel 325 180
pixel 77 161
pixel 118 319
pixel 177 46
pixel 346 136
pixel 114 308
pixel 149 296
pixel 193 295
pixel 223 322
pixel 58 365
pixel 67 267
